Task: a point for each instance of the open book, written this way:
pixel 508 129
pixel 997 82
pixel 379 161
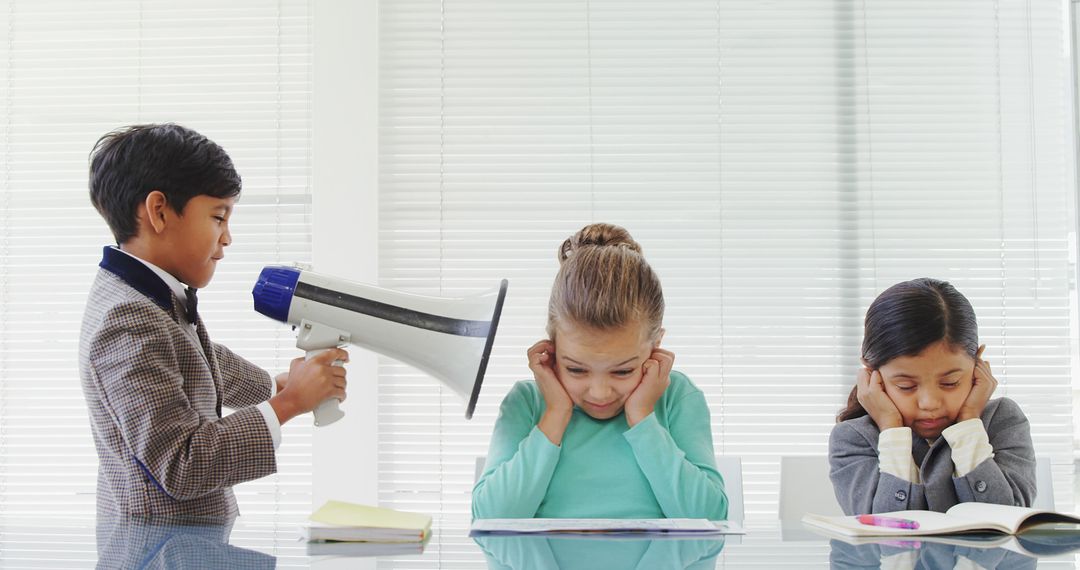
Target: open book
pixel 961 518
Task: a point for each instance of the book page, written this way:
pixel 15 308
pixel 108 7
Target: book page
pixel 1007 517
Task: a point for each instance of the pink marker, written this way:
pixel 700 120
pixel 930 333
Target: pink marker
pixel 890 522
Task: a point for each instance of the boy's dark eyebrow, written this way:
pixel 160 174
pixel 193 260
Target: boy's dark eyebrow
pixel 632 358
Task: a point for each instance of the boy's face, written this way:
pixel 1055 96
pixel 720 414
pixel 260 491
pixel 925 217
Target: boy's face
pixel 196 239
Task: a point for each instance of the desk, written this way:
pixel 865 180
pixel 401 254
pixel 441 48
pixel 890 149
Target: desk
pixel 45 543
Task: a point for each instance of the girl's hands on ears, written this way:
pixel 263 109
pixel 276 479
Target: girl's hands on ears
pixel 655 378
pixel 558 407
pixel 983 385
pixel 870 390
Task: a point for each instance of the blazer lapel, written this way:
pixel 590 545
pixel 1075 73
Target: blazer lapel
pixel 211 360
pixel 141 278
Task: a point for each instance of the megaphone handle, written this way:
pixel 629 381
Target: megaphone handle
pixel 329 411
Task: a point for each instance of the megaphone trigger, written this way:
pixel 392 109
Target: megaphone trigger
pixel 315 339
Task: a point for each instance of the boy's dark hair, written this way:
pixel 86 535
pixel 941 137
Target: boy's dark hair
pixel 907 318
pixel 129 163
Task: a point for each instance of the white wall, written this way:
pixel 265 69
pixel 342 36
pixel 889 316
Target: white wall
pixel 345 224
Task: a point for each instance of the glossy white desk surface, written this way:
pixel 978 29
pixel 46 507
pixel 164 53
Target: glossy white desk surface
pixel 56 543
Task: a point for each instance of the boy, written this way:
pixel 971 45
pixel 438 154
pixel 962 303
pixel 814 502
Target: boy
pixel 153 381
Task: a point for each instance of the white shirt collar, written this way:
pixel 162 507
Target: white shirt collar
pixel 174 284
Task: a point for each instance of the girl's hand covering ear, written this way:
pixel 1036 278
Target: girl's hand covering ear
pixel 983 385
pixel 870 390
pixel 655 378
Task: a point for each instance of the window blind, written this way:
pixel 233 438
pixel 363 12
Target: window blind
pixel 71 71
pixel 781 163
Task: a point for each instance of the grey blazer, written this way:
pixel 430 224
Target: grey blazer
pixel 1008 478
pixel 155 391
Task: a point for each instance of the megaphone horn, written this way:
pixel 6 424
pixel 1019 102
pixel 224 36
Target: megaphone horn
pixel 448 338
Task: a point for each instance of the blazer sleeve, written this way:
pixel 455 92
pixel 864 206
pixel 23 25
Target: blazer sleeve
pixel 858 482
pixel 520 461
pixel 679 460
pixel 1007 478
pixel 243 383
pixel 137 371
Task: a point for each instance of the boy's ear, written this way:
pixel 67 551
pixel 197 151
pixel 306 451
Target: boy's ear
pixel 659 338
pixel 153 211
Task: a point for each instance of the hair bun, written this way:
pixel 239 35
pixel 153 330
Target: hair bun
pixel 598 235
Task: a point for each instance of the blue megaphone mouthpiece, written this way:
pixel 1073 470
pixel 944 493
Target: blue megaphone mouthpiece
pixel 273 291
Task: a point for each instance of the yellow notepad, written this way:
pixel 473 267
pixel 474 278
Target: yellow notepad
pixel 351 514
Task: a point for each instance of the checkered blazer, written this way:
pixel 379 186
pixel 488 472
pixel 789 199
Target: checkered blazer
pixel 155 392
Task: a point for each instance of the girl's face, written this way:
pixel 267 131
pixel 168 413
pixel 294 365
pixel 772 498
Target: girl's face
pixel 601 368
pixel 929 388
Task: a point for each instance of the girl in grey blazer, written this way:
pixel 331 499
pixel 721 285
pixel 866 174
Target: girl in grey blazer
pixel 919 430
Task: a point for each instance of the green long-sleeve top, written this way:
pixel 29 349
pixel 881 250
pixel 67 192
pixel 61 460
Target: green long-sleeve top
pixel 663 467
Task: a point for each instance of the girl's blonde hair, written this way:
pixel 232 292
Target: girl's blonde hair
pixel 604 282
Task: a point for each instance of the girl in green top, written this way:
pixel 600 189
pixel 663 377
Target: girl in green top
pixel 605 429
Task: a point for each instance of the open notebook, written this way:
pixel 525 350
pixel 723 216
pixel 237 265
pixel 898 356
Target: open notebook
pixel 688 527
pixel 961 518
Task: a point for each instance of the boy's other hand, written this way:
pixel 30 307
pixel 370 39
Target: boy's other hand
pixel 310 383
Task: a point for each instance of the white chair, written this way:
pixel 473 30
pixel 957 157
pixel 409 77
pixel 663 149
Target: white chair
pixel 805 487
pixel 1044 484
pixel 729 466
pixel 479 468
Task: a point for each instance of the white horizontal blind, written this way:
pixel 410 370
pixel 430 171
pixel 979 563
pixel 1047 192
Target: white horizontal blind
pixel 781 164
pixel 966 130
pixel 238 72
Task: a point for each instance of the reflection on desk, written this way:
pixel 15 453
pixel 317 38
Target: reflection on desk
pixel 173 543
pixel 921 554
pixel 536 552
pixel 64 543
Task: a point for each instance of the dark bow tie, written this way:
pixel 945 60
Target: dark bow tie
pixel 192 305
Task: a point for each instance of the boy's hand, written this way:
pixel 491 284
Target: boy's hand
pixel 983 385
pixel 280 380
pixel 655 379
pixel 310 383
pixel 558 407
pixel 878 405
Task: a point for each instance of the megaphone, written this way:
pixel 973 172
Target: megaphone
pixel 448 338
